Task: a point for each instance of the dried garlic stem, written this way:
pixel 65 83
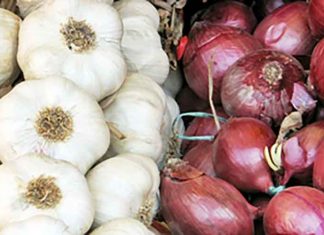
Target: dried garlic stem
pixel 114 130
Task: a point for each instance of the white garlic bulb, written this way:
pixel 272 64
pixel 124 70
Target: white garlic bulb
pixel 36 225
pixel 138 9
pixel 137 111
pixel 126 185
pixel 35 184
pixel 9 27
pixel 54 117
pixel 76 39
pixel 124 226
pixel 141 43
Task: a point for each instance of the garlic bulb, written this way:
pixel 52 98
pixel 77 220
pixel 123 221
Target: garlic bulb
pixel 173 83
pixel 27 6
pixel 36 225
pixel 137 111
pixel 35 184
pixel 123 226
pixel 138 9
pixel 54 117
pixel 141 43
pixel 9 27
pixel 126 185
pixel 76 39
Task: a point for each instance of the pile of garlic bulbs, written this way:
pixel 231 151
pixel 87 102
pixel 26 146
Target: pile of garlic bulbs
pixel 87 127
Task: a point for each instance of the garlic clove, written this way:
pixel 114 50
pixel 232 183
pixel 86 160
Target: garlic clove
pixel 9 27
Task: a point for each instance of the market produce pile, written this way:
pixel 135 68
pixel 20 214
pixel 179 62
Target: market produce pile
pixel 165 117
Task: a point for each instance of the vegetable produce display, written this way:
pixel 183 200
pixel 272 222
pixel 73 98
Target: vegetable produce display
pixel 161 117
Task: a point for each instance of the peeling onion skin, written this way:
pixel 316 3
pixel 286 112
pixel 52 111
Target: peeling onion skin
pixel 318 172
pixel 296 210
pixel 316 17
pixel 219 45
pixel 196 204
pixel 299 152
pixel 238 155
pixel 260 85
pixel 316 76
pixel 230 13
pixel 286 29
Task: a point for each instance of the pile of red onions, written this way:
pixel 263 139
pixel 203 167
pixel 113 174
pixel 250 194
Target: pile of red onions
pixel 316 17
pixel 196 204
pixel 262 85
pixel 230 13
pixel 239 154
pixel 286 29
pixel 296 210
pixel 316 70
pixel 217 46
pixel 299 152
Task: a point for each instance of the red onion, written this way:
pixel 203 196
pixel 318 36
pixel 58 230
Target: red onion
pixel 196 204
pixel 316 17
pixel 200 157
pixel 230 13
pixel 318 173
pixel 296 210
pixel 218 46
pixel 262 84
pixel 299 152
pixel 202 127
pixel 316 76
pixel 239 154
pixel 286 29
pixel 188 101
pixel 265 7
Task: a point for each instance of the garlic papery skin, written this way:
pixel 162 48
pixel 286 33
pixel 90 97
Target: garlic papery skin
pixel 124 226
pixel 76 39
pixel 173 83
pixel 35 184
pixel 36 225
pixel 137 111
pixel 27 6
pixel 54 117
pixel 138 9
pixel 141 43
pixel 126 185
pixel 9 28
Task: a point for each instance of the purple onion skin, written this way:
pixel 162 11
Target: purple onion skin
pixel 316 77
pixel 196 204
pixel 230 13
pixel 299 152
pixel 318 172
pixel 296 210
pixel 219 46
pixel 316 17
pixel 238 154
pixel 286 29
pixel 200 157
pixel 251 89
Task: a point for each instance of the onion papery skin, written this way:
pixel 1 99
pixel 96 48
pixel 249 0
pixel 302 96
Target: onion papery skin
pixel 196 204
pixel 316 17
pixel 201 157
pixel 286 29
pixel 318 172
pixel 316 76
pixel 299 152
pixel 261 85
pixel 296 210
pixel 217 46
pixel 230 13
pixel 239 154
pixel 202 127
